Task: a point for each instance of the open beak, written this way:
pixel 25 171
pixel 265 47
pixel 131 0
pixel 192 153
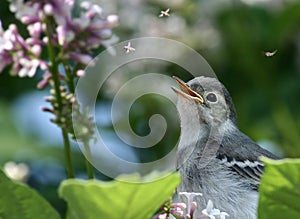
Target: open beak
pixel 186 91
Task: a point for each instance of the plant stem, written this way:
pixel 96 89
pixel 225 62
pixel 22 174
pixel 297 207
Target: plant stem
pixel 55 75
pixel 89 168
pixel 88 157
pixel 68 159
pixel 70 83
pixel 70 78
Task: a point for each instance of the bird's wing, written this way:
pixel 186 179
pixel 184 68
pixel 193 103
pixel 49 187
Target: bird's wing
pixel 241 154
pixel 246 168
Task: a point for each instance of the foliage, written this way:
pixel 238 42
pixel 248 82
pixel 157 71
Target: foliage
pixel 135 197
pixel 118 199
pixel 19 201
pixel 280 189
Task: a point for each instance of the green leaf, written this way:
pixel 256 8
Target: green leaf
pixel 18 201
pixel 280 189
pixel 119 198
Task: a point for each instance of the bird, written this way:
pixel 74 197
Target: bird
pixel 213 156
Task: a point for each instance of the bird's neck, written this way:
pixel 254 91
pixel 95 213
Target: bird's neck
pixel 204 139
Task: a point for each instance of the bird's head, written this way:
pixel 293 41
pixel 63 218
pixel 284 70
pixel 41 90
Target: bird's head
pixel 207 99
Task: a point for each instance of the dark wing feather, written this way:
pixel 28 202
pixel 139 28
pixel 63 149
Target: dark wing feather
pixel 252 170
pixel 238 152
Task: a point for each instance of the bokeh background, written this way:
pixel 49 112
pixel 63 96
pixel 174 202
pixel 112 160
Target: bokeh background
pixel 232 36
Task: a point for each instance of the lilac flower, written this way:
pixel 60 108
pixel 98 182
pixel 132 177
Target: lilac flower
pixel 5 42
pixel 91 9
pixel 36 50
pixel 160 216
pixel 64 36
pixel 90 22
pixel 81 58
pixel 191 206
pixel 6 45
pixel 18 172
pixel 80 73
pixel 35 30
pixel 213 213
pixel 176 209
pixel 90 27
pixel 5 60
pixel 67 41
pixel 26 12
pixel 28 67
pixel 43 83
pixel 24 54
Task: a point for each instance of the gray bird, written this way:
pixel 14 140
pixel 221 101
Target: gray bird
pixel 214 157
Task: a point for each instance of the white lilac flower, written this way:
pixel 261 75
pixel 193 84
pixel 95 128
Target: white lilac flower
pixel 162 216
pixel 6 46
pixel 64 35
pixel 112 21
pixel 212 212
pixel 91 9
pixel 82 22
pixel 80 73
pixel 17 40
pixel 5 42
pixel 189 196
pixel 36 50
pixel 178 209
pixel 28 67
pixel 96 29
pixel 35 30
pixel 26 12
pixel 18 172
pixel 61 10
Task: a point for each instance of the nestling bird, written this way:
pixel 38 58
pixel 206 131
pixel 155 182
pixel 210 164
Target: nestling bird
pixel 214 157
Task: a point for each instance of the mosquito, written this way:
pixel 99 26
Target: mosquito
pixel 165 13
pixel 128 48
pixel 268 54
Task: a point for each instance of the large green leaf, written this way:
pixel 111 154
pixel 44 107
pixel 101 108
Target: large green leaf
pixel 117 199
pixel 280 190
pixel 18 201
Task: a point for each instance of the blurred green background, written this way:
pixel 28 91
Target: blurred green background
pixel 231 35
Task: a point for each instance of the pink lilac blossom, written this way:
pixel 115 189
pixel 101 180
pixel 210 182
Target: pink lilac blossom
pixel 15 50
pixel 186 210
pixel 5 46
pixel 176 209
pixel 74 37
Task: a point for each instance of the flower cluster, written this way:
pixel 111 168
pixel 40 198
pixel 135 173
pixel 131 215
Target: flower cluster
pixel 63 117
pixel 187 210
pixel 54 22
pixel 170 209
pixel 66 33
pixel 212 213
pixel 23 54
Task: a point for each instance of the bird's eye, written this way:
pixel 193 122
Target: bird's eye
pixel 211 97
